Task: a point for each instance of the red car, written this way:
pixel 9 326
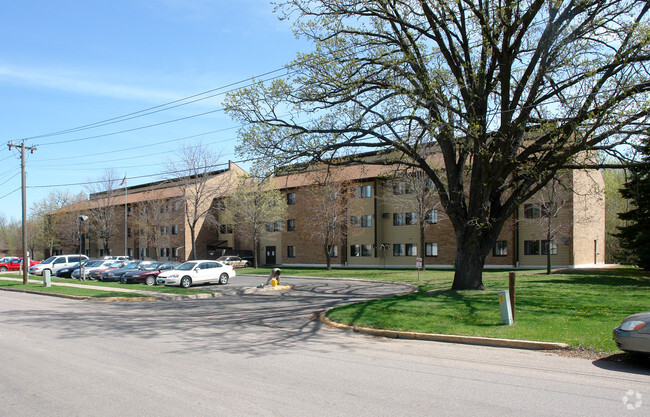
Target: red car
pixel 146 273
pixel 14 265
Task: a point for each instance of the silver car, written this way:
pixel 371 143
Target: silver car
pixel 633 335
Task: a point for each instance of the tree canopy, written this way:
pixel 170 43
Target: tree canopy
pixel 509 92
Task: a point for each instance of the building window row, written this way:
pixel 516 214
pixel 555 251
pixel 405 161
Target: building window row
pixel 405 249
pixel 225 229
pixel 363 191
pixel 360 250
pixel 274 226
pixel 537 247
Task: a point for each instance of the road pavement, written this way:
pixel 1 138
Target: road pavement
pixel 263 355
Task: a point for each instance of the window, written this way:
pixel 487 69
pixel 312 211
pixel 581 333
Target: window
pixel 531 211
pixel 291 251
pixel 225 229
pixel 174 229
pixel 411 217
pixel 366 250
pixel 500 248
pixel 274 226
pixel 411 249
pixel 549 209
pixel 128 231
pixel 366 220
pixel 164 230
pixel 398 188
pixel 432 216
pixel 398 249
pixel 162 251
pixel 291 198
pixel 430 186
pixel 291 225
pixel 334 251
pixel 355 221
pixel 546 247
pixel 364 191
pixel 531 247
pixel 430 249
pixel 398 219
pixel 355 250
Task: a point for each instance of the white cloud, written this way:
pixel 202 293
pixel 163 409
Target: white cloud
pixel 82 84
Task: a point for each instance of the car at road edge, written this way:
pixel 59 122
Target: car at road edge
pixel 197 272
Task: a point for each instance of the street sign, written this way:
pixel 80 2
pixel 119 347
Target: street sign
pixel 418 263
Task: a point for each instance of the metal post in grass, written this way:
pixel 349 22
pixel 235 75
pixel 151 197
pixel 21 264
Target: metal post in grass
pixel 511 289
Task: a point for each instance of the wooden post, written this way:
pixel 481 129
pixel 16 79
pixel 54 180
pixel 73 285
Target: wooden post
pixel 511 288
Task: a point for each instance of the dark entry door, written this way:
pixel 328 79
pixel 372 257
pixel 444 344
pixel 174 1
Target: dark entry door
pixel 270 255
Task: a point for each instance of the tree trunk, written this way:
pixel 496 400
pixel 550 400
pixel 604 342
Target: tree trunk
pixel 422 252
pixel 473 244
pixel 328 260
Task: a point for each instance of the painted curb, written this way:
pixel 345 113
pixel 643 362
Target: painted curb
pixel 469 340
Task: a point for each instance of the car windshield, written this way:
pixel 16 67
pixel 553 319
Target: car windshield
pixel 94 263
pixel 131 265
pixel 114 264
pixel 49 260
pixel 186 266
pixel 149 266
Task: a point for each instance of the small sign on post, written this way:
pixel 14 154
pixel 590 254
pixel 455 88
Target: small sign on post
pixel 418 265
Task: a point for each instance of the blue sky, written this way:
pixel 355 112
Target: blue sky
pixel 66 64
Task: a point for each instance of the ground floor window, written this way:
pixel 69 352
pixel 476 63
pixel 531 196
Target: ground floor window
pixel 531 247
pixel 355 250
pixel 549 247
pixel 500 248
pixel 411 249
pixel 366 250
pixel 430 249
pixel 291 251
pixel 334 251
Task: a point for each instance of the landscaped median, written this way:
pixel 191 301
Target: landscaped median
pixel 576 307
pixel 101 291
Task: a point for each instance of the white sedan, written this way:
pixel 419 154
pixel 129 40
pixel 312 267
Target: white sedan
pixel 197 272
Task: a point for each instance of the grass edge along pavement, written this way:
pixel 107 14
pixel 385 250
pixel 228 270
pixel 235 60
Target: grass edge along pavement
pixel 576 307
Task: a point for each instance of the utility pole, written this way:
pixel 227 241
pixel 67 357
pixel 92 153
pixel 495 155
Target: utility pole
pixel 24 190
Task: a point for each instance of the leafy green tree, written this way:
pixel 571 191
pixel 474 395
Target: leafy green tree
pixel 634 235
pixel 615 204
pixel 505 92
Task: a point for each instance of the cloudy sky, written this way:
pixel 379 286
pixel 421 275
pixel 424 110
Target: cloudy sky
pixel 68 67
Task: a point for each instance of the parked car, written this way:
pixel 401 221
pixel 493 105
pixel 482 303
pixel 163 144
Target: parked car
pixel 7 259
pixel 54 263
pixel 197 272
pixel 90 267
pixel 14 264
pixel 110 266
pixel 117 258
pixel 116 274
pixel 147 273
pixel 67 271
pixel 235 261
pixel 633 335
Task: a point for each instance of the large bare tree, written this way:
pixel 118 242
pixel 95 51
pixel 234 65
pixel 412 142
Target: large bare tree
pixel 48 221
pixel 329 203
pixel 508 91
pixel 103 212
pixel 252 207
pixel 192 171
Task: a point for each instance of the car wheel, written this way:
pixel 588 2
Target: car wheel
pixel 151 280
pixel 223 278
pixel 3 269
pixel 186 282
pixel 247 265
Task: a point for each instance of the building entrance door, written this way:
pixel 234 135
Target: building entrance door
pixel 270 255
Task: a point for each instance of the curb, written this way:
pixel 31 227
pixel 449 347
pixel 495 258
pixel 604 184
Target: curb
pixel 435 337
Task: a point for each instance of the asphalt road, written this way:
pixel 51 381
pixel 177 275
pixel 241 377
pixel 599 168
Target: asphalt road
pixel 262 355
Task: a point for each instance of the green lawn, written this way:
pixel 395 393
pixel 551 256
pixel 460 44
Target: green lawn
pixel 576 307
